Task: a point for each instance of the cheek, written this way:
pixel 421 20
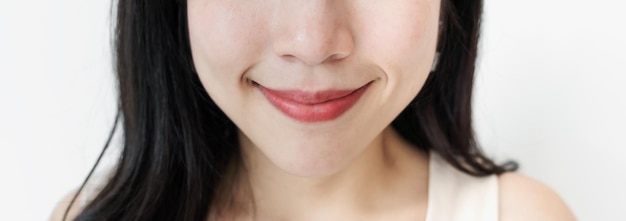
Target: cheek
pixel 402 40
pixel 403 35
pixel 225 41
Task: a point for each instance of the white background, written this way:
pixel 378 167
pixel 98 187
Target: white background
pixel 549 92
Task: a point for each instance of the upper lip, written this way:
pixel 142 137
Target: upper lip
pixel 311 97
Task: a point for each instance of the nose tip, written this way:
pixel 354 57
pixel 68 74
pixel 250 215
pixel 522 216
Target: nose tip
pixel 313 38
pixel 314 48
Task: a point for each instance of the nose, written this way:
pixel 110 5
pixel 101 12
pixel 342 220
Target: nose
pixel 313 32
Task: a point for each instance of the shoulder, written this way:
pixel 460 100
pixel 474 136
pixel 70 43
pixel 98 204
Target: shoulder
pixel 89 191
pixel 523 198
pixel 62 206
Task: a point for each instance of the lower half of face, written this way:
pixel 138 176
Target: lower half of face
pixel 310 84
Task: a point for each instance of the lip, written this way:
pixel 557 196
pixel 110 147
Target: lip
pixel 315 106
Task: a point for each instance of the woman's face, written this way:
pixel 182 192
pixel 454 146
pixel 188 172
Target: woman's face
pixel 311 83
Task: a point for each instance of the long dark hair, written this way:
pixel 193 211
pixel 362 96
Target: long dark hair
pixel 178 143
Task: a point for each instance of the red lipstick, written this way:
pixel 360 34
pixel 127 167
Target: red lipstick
pixel 313 106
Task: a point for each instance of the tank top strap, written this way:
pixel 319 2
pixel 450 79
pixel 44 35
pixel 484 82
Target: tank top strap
pixel 456 196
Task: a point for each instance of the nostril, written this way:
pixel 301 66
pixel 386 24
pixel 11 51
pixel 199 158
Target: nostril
pixel 336 57
pixel 289 58
pixel 313 41
pixel 314 53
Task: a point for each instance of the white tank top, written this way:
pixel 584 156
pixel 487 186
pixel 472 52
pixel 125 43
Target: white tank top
pixel 456 196
pixel 452 194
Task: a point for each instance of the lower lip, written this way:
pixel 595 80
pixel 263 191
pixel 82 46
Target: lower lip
pixel 324 111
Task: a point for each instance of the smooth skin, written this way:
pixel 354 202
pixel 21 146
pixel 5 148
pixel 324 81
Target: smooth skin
pixel 521 199
pixel 355 167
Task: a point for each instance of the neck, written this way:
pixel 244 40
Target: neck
pixel 380 178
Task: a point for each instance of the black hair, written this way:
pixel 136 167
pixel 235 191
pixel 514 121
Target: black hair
pixel 177 143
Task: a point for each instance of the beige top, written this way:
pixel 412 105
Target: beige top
pixel 456 196
pixel 452 194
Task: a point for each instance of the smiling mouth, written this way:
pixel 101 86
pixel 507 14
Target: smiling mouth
pixel 315 106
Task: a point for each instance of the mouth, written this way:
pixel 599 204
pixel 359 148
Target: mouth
pixel 315 106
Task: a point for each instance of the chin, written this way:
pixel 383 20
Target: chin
pixel 313 161
pixel 311 168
